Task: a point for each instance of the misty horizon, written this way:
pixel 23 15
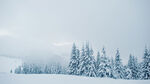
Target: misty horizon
pixel 45 30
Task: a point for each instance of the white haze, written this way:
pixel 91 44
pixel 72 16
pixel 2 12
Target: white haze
pixel 44 30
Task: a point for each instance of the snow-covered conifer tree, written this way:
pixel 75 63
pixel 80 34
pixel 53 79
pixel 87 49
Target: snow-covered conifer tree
pixel 92 69
pixel 146 65
pixel 98 60
pixel 81 62
pixel 104 67
pixel 133 66
pixel 78 60
pixel 87 62
pixel 112 68
pixel 73 65
pixel 119 73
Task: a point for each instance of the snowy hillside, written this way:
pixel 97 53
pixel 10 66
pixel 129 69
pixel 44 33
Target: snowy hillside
pixel 8 63
pixel 61 79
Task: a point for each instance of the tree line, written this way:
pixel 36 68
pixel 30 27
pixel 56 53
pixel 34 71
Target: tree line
pixel 83 63
pixel 29 68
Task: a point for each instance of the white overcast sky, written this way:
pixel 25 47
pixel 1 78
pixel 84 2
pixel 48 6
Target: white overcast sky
pixel 47 28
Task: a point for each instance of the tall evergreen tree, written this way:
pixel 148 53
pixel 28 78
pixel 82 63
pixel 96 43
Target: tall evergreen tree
pixel 81 61
pixel 130 61
pixel 133 65
pixel 73 65
pixel 87 63
pixel 103 53
pixel 118 67
pixel 92 67
pixel 98 60
pixel 104 67
pixel 78 60
pixel 146 65
pixel 112 68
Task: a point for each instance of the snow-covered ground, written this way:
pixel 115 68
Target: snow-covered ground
pixel 6 64
pixel 61 79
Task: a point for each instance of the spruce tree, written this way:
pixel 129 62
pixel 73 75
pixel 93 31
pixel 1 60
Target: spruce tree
pixel 87 62
pixel 92 67
pixel 112 68
pixel 73 65
pixel 81 62
pixel 98 60
pixel 104 67
pixel 78 60
pixel 133 65
pixel 119 73
pixel 146 65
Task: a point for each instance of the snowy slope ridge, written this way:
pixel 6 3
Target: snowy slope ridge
pixel 8 63
pixel 61 79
